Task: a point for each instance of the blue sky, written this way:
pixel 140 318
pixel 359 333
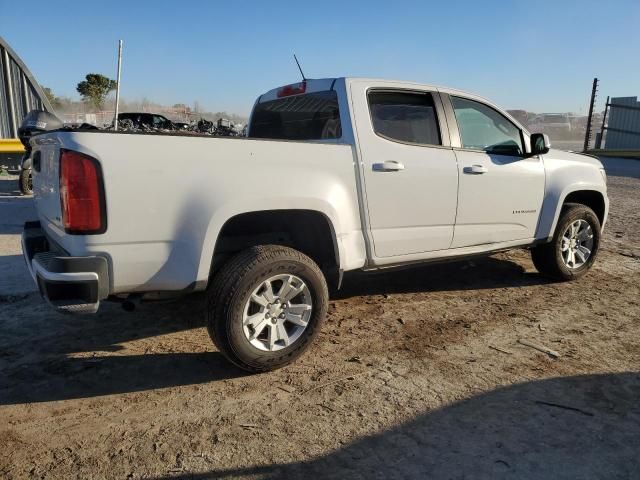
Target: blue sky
pixel 537 55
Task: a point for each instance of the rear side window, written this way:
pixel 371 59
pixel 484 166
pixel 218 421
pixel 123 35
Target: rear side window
pixel 405 117
pixel 312 116
pixel 483 128
pixel 159 121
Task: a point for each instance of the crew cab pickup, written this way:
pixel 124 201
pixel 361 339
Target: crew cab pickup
pixel 335 175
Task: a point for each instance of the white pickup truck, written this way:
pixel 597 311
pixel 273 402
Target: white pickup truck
pixel 336 175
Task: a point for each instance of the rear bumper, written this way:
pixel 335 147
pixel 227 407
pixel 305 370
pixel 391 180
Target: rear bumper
pixel 69 284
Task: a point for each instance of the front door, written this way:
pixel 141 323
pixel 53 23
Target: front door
pixel 501 189
pixel 410 173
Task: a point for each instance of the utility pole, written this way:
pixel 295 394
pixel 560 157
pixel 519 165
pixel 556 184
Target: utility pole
pixel 587 134
pixel 115 118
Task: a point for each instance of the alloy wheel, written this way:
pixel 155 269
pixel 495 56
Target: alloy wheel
pixel 277 312
pixel 577 244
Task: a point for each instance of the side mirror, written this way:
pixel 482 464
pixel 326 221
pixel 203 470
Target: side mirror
pixel 540 143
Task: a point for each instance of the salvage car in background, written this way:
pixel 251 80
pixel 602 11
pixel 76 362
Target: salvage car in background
pixel 337 174
pixel 145 121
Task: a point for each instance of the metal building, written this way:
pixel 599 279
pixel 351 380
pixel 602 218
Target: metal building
pixel 623 129
pixel 19 94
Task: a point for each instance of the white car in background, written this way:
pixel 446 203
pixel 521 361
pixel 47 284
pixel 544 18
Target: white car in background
pixel 553 123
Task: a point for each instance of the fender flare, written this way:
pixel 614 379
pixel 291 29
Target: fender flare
pixel 561 200
pixel 222 216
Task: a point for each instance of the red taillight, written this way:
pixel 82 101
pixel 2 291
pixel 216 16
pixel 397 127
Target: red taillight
pixel 293 89
pixel 81 194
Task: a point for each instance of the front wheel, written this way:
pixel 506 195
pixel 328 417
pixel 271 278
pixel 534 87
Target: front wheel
pixel 265 306
pixel 574 246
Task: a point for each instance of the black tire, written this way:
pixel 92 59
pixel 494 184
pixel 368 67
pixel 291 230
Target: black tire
pixel 25 184
pixel 229 293
pixel 547 257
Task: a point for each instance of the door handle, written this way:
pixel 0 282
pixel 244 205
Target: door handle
pixel 475 169
pixel 388 166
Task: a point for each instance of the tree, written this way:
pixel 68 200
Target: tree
pixel 95 88
pixel 53 99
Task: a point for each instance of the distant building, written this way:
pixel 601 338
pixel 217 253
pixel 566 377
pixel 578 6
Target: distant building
pixel 623 125
pixel 520 115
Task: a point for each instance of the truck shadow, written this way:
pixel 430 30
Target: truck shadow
pixel 64 378
pixel 9 187
pixel 568 427
pixel 15 279
pixel 479 273
pixel 45 356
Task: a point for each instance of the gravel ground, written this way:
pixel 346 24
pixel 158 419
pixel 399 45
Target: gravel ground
pixel 417 374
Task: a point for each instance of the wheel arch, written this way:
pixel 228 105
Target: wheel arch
pixel 310 231
pixel 593 197
pixel 590 198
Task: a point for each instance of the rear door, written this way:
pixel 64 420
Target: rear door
pixel 501 188
pixel 410 172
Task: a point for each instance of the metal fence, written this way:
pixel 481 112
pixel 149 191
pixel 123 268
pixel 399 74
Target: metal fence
pixel 99 119
pixel 19 92
pixel 622 131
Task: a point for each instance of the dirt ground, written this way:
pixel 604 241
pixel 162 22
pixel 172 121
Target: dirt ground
pixel 417 374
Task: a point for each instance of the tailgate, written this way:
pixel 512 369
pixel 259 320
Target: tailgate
pixel 46 182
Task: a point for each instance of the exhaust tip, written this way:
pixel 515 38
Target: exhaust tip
pixel 128 306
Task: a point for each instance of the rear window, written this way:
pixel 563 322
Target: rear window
pixel 312 116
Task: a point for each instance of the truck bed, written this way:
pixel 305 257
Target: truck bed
pixel 169 194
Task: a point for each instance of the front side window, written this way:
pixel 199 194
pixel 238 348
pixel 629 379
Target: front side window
pixel 483 128
pixel 405 117
pixel 311 116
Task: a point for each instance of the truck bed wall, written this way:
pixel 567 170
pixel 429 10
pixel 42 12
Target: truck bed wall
pixel 167 198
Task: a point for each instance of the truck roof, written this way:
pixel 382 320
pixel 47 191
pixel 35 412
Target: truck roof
pixel 322 84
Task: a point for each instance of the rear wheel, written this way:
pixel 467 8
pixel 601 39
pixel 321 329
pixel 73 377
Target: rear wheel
pixel 265 306
pixel 574 246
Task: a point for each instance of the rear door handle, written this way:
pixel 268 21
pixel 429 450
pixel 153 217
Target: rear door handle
pixel 388 166
pixel 475 169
